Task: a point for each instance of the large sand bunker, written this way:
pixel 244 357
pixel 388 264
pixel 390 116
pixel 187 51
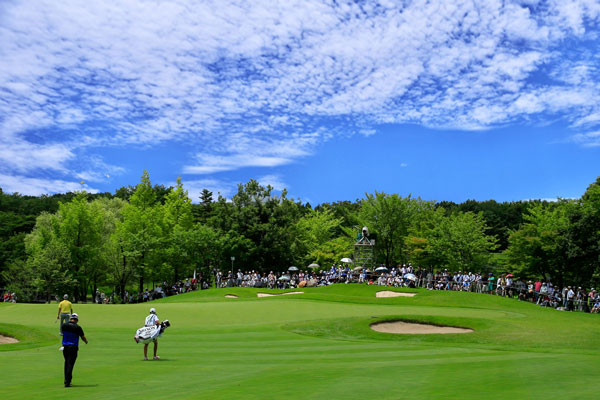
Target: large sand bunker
pixel 276 294
pixel 389 293
pixel 231 296
pixel 7 340
pixel 411 328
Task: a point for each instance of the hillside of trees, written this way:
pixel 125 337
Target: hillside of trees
pixel 77 242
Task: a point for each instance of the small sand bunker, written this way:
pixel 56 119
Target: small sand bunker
pixel 276 294
pixel 410 328
pixel 389 293
pixel 7 340
pixel 231 296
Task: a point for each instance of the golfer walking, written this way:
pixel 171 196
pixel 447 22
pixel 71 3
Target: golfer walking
pixel 151 320
pixel 65 309
pixel 70 341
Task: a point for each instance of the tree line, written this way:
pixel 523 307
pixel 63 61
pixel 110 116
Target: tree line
pixel 77 242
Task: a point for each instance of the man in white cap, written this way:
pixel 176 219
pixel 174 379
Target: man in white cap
pixel 70 341
pixel 151 320
pixel 65 309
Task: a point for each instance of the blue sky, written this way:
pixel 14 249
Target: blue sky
pixel 446 100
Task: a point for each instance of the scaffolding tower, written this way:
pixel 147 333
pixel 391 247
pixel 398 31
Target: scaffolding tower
pixel 363 250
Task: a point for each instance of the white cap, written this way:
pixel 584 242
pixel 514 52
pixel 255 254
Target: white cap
pixel 152 310
pixel 75 316
pixel 66 296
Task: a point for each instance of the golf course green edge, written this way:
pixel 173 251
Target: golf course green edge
pixel 27 337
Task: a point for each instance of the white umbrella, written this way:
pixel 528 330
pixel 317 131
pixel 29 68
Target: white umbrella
pixel 381 269
pixel 411 277
pixel 358 268
pixel 292 268
pixel 346 260
pixel 314 266
pixel 284 278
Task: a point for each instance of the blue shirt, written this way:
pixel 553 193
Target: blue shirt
pixel 71 334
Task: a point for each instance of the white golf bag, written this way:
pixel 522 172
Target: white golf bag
pixel 147 334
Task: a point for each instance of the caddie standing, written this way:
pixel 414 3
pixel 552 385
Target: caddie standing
pixel 151 320
pixel 65 309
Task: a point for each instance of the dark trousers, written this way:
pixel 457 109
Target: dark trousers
pixel 70 355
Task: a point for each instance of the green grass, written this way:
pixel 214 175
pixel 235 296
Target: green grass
pixel 316 345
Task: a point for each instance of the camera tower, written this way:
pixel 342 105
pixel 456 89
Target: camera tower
pixel 363 249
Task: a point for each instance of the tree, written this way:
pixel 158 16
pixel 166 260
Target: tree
pixel 583 237
pixel 260 222
pixel 79 230
pixel 460 241
pixel 204 210
pixel 177 223
pixel 389 216
pixel 117 269
pixel 48 269
pixel 539 247
pixel 314 238
pixel 139 232
pixel 419 240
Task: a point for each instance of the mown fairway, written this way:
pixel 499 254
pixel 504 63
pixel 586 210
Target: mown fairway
pixel 316 345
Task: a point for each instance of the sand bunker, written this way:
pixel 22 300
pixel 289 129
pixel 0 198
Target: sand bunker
pixel 389 293
pixel 231 296
pixel 409 328
pixel 7 340
pixel 276 294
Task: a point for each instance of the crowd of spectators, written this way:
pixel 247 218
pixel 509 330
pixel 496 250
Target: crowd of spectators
pixel 543 293
pixel 9 297
pixel 158 292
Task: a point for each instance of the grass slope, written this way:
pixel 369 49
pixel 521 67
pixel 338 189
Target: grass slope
pixel 313 345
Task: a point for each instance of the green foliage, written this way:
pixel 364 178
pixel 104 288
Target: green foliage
pixel 332 251
pixel 79 229
pixel 460 242
pixel 139 232
pixel 538 248
pixel 391 217
pixel 315 240
pixel 154 233
pixel 259 228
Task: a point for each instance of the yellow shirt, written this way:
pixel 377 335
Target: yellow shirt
pixel 65 307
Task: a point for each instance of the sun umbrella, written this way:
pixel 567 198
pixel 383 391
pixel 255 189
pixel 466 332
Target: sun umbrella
pixel 284 278
pixel 314 266
pixel 292 268
pixel 509 275
pixel 411 277
pixel 358 268
pixel 381 269
pixel 346 260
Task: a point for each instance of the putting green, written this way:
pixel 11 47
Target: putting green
pixel 311 346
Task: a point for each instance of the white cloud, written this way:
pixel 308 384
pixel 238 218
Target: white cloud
pixel 588 139
pixel 217 187
pixel 261 84
pixel 22 156
pixel 96 170
pixel 36 186
pixel 275 181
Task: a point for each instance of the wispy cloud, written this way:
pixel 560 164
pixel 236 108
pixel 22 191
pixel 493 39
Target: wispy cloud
pixel 589 139
pixel 216 186
pixel 275 181
pixel 260 84
pixel 35 186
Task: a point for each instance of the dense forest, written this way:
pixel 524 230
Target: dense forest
pixel 77 242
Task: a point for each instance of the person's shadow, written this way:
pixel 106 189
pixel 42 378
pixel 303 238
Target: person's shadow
pixel 96 385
